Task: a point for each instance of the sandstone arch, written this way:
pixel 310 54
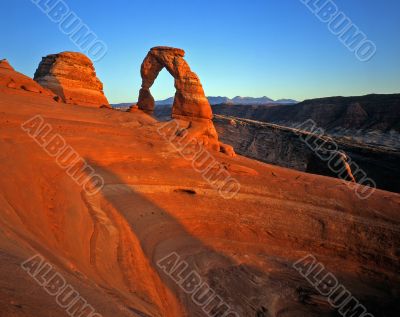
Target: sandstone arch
pixel 191 108
pixel 190 102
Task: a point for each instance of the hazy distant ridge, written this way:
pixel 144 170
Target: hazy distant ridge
pixel 219 100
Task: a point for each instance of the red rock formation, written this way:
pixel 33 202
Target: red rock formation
pixel 190 102
pixel 12 79
pixel 107 246
pixel 191 107
pixel 71 76
pixel 5 64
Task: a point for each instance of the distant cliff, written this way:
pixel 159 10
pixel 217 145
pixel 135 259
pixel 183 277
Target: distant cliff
pixel 371 119
pixel 282 146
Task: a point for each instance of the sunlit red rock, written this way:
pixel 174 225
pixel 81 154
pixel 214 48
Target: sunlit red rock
pixel 71 76
pixel 154 203
pixel 12 79
pixel 190 103
pixel 5 64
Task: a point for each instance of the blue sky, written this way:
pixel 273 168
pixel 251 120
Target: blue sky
pixel 276 48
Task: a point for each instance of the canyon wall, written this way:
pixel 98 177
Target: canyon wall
pixel 371 119
pixel 283 146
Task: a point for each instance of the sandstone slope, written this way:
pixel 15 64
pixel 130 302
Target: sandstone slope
pixel 154 203
pixel 13 80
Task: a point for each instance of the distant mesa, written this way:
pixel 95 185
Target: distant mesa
pixel 238 100
pixel 190 105
pixel 214 101
pixel 71 76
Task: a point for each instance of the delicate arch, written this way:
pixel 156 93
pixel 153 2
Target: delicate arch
pixel 190 101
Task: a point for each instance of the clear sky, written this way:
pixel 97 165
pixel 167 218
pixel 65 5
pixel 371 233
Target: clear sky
pixel 276 48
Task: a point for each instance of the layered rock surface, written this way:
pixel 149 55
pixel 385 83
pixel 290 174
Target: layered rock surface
pixel 71 76
pixel 154 203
